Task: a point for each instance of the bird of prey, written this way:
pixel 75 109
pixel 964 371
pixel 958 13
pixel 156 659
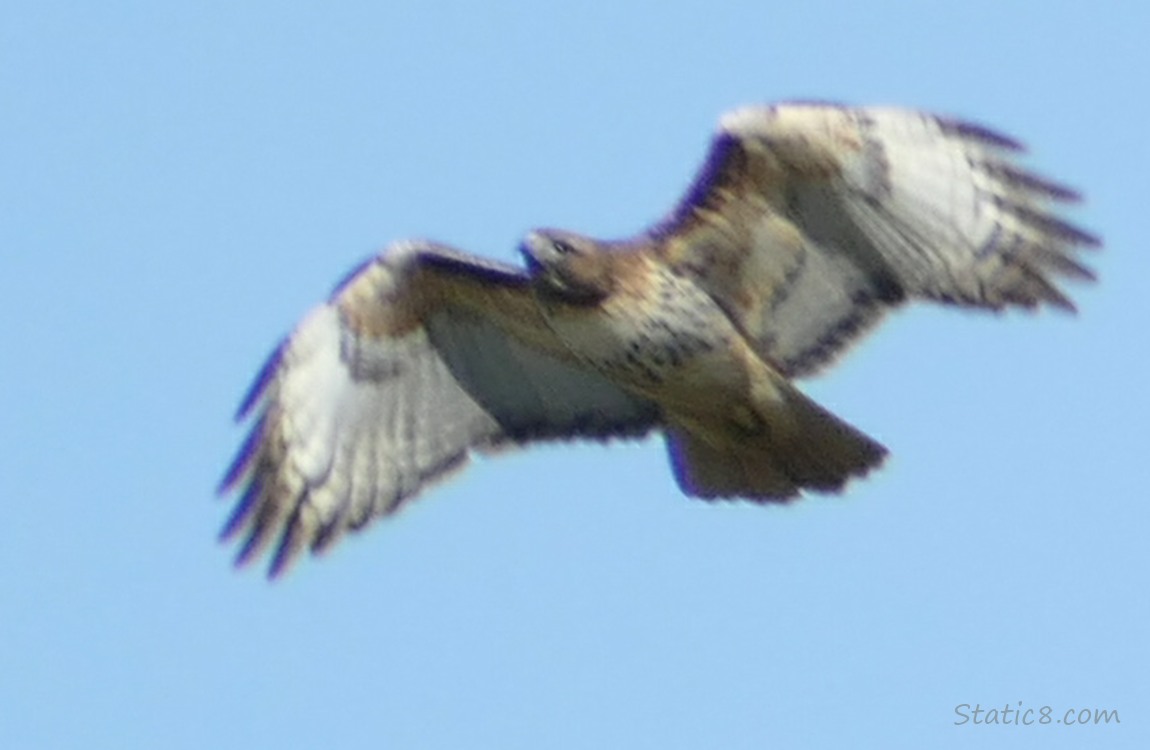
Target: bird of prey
pixel 805 224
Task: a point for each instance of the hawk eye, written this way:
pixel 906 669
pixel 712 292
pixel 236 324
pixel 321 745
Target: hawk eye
pixel 562 247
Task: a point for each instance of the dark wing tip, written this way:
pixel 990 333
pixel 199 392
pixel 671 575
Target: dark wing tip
pixel 1055 297
pixel 251 546
pixel 979 133
pixel 1055 227
pixel 1066 265
pixel 260 514
pixel 261 528
pixel 1028 181
pixel 291 543
pixel 261 381
pixel 242 510
pixel 257 513
pixel 243 458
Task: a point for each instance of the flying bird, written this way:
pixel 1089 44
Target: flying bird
pixel 805 224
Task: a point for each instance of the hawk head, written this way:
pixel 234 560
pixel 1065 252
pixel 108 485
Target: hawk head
pixel 567 267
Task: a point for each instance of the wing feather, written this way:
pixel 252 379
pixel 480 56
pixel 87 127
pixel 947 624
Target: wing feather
pixel 420 357
pixel 808 221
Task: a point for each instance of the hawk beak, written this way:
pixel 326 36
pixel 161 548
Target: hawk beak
pixel 527 250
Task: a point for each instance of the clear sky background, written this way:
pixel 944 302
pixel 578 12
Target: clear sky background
pixel 180 182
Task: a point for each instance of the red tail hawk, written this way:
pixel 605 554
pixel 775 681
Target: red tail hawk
pixel 806 223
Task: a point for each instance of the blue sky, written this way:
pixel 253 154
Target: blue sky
pixel 179 182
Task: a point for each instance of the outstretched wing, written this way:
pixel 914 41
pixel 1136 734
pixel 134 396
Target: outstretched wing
pixel 807 221
pixel 419 357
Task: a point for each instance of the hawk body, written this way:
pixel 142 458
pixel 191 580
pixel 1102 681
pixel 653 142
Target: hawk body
pixel 806 223
pixel 735 426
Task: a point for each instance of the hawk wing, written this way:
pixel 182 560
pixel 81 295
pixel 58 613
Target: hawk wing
pixel 807 221
pixel 421 356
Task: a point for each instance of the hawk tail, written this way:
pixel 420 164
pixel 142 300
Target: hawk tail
pixel 799 446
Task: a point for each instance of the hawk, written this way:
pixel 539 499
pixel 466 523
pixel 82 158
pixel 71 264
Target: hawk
pixel 806 223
